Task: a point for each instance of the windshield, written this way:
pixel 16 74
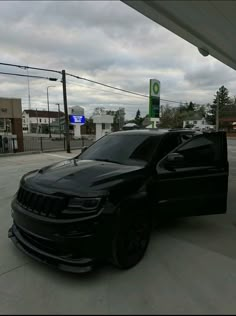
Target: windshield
pixel 122 149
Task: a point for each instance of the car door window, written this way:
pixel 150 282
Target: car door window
pixel 169 143
pixel 202 150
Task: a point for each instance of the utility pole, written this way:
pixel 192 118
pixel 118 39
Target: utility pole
pixel 37 128
pixel 59 115
pixel 28 88
pixel 66 112
pixel 49 125
pixel 217 111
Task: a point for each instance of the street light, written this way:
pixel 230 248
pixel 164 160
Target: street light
pixel 49 127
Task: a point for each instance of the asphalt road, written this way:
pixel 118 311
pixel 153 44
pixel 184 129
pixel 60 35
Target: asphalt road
pixel 189 268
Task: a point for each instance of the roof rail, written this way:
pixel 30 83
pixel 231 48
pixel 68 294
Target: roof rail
pixel 179 129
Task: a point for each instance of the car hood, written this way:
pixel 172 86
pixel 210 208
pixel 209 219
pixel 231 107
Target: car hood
pixel 81 177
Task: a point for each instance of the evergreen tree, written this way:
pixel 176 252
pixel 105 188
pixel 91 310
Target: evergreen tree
pixel 138 113
pixel 138 119
pixel 190 106
pixel 224 102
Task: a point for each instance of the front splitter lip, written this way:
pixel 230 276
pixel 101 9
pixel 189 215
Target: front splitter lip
pixel 81 265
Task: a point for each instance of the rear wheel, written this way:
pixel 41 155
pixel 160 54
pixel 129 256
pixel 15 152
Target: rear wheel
pixel 130 239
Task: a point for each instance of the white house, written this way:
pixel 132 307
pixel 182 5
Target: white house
pixel 36 121
pixel 196 123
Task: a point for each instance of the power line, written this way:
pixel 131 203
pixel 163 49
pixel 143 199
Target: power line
pixel 100 89
pixel 31 76
pixel 89 80
pixel 170 101
pixel 108 86
pixel 28 67
pixel 115 88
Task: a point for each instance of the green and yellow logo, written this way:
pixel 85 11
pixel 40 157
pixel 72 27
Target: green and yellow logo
pixel 155 88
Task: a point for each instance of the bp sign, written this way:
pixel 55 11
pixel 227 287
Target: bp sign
pixel 154 98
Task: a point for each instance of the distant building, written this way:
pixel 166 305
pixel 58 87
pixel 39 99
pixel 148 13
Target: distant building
pixel 228 123
pixel 11 136
pixel 119 118
pixel 77 110
pixel 130 126
pixel 147 123
pixel 197 122
pixel 37 121
pixel 103 124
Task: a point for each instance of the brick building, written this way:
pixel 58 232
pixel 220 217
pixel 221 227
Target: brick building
pixel 11 134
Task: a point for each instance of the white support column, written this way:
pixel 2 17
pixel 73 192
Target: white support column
pixel 102 119
pixel 155 122
pixel 77 130
pixel 98 130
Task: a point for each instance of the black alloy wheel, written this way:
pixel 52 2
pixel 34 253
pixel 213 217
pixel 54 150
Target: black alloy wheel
pixel 131 239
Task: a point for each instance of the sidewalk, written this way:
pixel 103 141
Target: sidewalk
pixel 73 151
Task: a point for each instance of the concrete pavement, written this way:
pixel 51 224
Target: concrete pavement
pixel 189 268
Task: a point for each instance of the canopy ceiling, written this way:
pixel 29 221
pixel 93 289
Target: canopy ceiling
pixel 209 25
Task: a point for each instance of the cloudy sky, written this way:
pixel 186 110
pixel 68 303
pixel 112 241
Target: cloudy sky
pixel 105 41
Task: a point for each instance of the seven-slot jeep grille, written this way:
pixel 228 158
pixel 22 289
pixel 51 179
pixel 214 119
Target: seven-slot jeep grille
pixel 40 203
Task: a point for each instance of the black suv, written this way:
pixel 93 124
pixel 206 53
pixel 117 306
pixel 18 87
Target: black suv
pixel 101 204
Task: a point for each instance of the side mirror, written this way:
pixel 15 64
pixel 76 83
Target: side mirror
pixel 83 149
pixel 174 158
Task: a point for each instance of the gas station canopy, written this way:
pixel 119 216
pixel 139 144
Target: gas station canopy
pixel 209 25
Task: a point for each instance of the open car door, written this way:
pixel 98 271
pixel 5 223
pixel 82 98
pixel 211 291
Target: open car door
pixel 193 178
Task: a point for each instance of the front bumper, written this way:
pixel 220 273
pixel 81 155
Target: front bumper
pixel 74 245
pixel 76 265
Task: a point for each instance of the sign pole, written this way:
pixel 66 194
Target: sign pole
pixel 154 102
pixel 66 112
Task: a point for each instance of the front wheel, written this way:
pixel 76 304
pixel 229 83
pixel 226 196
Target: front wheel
pixel 130 239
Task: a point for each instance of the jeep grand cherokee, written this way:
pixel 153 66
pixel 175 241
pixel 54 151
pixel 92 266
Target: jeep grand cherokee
pixel 101 203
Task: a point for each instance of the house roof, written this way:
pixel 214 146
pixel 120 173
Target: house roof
pixel 130 125
pixel 146 121
pixel 46 114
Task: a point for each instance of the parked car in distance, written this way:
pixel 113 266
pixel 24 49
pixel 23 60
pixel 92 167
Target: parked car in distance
pixel 101 203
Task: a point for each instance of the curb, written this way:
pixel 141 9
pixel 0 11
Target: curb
pixel 33 152
pixel 20 153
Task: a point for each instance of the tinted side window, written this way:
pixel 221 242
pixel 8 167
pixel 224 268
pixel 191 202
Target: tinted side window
pixel 169 143
pixel 201 151
pixel 146 149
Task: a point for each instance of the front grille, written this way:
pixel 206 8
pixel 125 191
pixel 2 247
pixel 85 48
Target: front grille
pixel 40 203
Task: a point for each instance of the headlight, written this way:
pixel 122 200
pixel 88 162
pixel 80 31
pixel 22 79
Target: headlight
pixel 87 204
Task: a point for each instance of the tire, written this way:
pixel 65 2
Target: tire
pixel 130 239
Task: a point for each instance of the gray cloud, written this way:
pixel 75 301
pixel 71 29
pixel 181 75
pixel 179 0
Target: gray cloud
pixel 105 41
